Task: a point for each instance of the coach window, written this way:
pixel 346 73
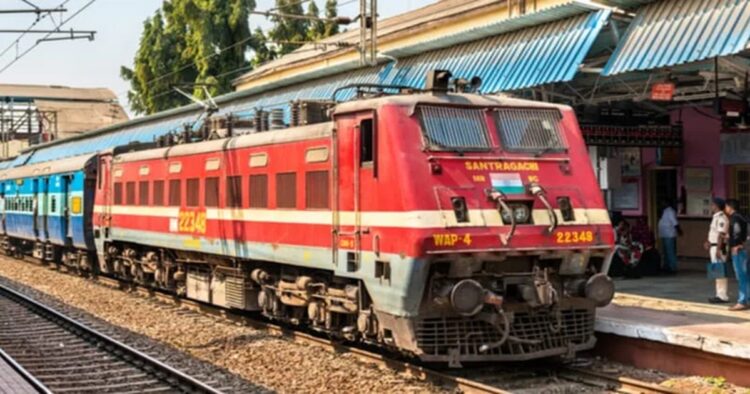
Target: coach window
pixel 286 190
pixel 53 205
pixel 234 192
pixel 259 191
pixel 158 193
pixel 143 193
pixel 316 190
pixel 130 193
pixel 118 193
pixel 212 192
pixel 193 192
pixel 175 193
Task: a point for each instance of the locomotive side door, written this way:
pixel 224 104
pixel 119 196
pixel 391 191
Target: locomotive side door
pixel 104 196
pixel 353 167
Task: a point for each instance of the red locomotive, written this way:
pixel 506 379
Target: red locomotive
pixel 454 227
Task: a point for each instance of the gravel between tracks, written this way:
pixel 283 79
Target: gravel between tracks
pixel 270 362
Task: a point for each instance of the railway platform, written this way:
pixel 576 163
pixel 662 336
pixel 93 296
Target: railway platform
pixel 12 381
pixel 666 322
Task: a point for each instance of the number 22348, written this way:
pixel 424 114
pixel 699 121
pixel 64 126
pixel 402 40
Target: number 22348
pixel 574 237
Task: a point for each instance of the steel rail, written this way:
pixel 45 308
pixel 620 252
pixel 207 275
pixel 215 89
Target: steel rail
pixel 620 384
pixel 26 375
pixel 183 380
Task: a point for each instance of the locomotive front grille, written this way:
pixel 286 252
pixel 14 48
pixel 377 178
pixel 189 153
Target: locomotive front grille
pixel 539 332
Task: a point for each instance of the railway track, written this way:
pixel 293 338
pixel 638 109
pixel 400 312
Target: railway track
pixel 65 355
pixel 489 381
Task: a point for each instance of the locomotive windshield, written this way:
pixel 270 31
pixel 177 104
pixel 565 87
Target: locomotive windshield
pixel 530 130
pixel 454 129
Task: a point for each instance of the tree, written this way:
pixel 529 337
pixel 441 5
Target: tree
pixel 288 33
pixel 317 28
pixel 190 44
pixel 331 27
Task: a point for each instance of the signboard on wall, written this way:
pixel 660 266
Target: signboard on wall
pixel 735 148
pixel 663 91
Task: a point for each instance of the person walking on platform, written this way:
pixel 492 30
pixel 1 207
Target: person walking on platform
pixel 668 230
pixel 715 246
pixel 737 239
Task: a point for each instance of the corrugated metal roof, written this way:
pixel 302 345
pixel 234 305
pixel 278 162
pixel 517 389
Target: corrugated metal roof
pixel 627 4
pixel 528 57
pixel 672 32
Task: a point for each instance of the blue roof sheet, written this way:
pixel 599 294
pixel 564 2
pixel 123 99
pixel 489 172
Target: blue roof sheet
pixel 673 32
pixel 547 53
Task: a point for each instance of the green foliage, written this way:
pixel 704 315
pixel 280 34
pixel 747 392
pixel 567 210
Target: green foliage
pixel 316 28
pixel 288 33
pixel 331 28
pixel 190 44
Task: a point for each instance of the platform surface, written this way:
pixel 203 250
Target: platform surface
pixel 675 310
pixel 11 382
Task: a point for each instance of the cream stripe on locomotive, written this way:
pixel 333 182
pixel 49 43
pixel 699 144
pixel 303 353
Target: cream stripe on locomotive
pixel 405 219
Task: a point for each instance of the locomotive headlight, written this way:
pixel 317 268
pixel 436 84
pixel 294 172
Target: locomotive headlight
pixel 521 212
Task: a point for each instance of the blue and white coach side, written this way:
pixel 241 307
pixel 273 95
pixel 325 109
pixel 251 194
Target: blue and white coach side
pixel 47 209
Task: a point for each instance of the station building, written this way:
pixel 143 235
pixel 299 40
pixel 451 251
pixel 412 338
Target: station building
pixel 34 114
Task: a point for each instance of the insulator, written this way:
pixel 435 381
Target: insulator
pixel 277 119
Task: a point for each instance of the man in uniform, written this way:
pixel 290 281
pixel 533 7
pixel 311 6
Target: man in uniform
pixel 737 239
pixel 715 246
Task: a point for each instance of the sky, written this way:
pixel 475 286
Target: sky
pixel 118 23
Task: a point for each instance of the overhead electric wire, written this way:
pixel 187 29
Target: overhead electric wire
pixel 63 22
pixel 39 19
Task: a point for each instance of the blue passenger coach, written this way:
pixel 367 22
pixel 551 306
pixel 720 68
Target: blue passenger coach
pixel 47 209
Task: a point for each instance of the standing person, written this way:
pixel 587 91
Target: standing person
pixel 668 230
pixel 715 245
pixel 736 238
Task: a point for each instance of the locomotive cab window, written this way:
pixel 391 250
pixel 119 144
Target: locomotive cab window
pixel 454 129
pixel 537 130
pixel 366 142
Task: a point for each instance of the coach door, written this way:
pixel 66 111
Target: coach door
pixel 354 170
pixel 35 192
pixel 40 207
pixel 65 181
